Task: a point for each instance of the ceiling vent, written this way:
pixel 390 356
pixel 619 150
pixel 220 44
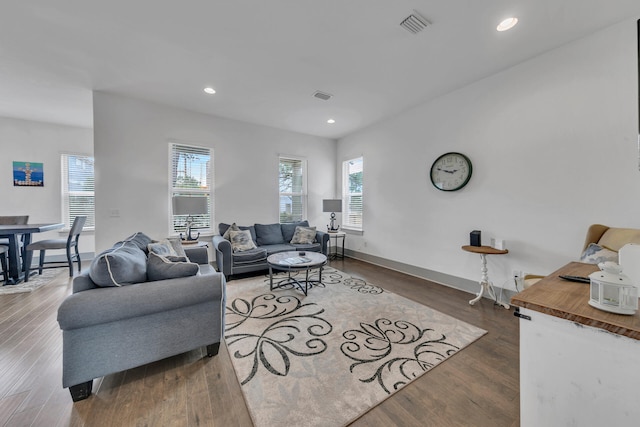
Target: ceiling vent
pixel 414 23
pixel 322 95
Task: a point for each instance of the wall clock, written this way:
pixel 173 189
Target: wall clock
pixel 451 171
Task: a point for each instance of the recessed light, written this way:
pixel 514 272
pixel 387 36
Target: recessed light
pixel 209 90
pixel 331 121
pixel 507 24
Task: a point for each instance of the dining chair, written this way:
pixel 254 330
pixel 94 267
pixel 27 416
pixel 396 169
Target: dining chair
pixel 3 262
pixel 15 220
pixel 71 242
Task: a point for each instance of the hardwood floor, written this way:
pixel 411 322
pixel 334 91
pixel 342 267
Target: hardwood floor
pixel 477 387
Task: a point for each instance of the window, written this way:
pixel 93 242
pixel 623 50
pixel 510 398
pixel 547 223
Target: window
pixel 352 193
pixel 191 175
pixel 293 189
pixel 77 189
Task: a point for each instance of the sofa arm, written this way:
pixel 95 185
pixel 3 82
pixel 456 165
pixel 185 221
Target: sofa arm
pixel 197 254
pixel 103 305
pixel 223 255
pixel 323 239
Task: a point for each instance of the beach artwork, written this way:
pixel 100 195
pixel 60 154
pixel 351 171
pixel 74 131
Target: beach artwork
pixel 28 174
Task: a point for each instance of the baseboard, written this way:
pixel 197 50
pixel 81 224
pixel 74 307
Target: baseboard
pixel 455 282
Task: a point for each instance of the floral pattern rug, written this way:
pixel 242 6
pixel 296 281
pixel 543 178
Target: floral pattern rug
pixel 327 358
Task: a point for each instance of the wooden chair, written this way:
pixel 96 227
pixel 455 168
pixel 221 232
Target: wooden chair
pixel 70 243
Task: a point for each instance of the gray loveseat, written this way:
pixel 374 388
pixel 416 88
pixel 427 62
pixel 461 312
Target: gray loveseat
pixel 269 239
pixel 120 325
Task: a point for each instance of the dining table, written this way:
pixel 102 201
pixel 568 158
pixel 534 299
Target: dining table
pixel 12 233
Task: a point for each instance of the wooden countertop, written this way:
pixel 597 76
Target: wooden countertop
pixel 570 300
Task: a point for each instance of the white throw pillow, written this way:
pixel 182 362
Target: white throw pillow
pixel 304 236
pixel 241 240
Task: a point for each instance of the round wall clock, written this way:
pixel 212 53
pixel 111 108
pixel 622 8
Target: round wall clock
pixel 451 171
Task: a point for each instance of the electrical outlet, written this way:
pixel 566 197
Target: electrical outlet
pixel 518 279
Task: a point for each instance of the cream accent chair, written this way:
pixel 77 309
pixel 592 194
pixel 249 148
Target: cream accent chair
pixel 612 238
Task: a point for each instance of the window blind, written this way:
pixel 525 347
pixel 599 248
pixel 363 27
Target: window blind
pixel 191 174
pixel 78 197
pixel 292 189
pixel 352 185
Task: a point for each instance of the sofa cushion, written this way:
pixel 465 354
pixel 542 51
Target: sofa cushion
pixel 222 229
pixel 283 247
pixel 162 268
pixel 288 229
pixel 595 254
pixel 241 240
pixel 139 239
pixel 304 235
pixel 249 257
pixel 313 247
pixel 125 263
pixel 269 234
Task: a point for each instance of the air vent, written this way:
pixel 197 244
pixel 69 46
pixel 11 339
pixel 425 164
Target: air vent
pixel 322 95
pixel 414 23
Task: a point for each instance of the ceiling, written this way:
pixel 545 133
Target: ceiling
pixel 266 58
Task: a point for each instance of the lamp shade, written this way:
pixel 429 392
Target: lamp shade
pixel 188 205
pixel 332 205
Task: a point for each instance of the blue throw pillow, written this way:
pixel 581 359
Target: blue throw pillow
pixel 162 268
pixel 270 234
pixel 123 264
pixel 139 239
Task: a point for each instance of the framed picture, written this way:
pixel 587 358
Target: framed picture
pixel 28 174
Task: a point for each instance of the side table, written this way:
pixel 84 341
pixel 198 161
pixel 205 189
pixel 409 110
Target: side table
pixel 485 283
pixel 333 254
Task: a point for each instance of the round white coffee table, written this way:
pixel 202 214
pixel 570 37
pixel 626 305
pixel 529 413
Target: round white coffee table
pixel 295 261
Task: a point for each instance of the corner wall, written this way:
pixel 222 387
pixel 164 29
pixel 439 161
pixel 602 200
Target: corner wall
pixel 131 151
pixel 554 148
pixel 24 140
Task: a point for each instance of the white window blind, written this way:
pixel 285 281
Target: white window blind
pixel 352 192
pixel 77 189
pixel 191 174
pixel 293 189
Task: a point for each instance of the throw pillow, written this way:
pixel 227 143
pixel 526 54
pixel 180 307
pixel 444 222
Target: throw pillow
pixel 176 244
pixel 241 241
pixel 123 264
pixel 161 268
pixel 304 236
pixel 288 228
pixel 163 247
pixel 139 239
pixel 232 227
pixel 269 234
pixel 595 254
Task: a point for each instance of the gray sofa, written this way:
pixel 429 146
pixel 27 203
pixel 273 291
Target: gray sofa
pixel 118 326
pixel 269 239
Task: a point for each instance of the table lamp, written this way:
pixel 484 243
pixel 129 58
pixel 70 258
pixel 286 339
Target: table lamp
pixel 333 206
pixel 189 206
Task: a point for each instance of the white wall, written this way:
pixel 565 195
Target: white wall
pixel 131 151
pixel 23 140
pixel 554 148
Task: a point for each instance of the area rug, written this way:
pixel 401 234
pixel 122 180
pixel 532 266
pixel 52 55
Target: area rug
pixel 327 358
pixel 35 282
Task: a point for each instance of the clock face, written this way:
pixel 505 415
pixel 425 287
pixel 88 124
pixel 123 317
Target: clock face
pixel 451 171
